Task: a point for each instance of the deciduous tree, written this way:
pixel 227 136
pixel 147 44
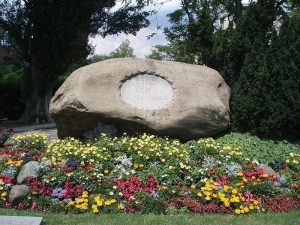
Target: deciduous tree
pixel 53 34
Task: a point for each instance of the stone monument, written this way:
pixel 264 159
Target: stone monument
pixel 139 95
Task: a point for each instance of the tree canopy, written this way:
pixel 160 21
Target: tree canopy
pixel 255 46
pixel 52 35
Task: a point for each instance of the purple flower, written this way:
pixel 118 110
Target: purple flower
pixel 277 183
pixel 58 193
pixel 72 163
pixel 154 194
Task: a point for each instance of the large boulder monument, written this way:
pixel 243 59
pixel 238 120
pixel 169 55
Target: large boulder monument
pixel 140 95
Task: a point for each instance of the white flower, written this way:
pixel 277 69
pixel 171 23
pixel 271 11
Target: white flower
pixel 204 179
pixel 111 193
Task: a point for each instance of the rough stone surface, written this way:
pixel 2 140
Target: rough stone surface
pixel 20 220
pixel 28 170
pixel 267 169
pixel 136 95
pixel 108 129
pixel 18 193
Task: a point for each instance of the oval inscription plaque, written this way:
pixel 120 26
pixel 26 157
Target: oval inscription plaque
pixel 147 92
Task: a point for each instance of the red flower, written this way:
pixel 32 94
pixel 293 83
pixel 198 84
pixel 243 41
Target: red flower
pixel 133 184
pixel 225 179
pixel 30 145
pixel 7 205
pixel 284 167
pixel 66 169
pixel 211 170
pixel 281 204
pixel 34 206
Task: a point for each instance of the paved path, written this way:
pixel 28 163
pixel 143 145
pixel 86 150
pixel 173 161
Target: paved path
pixel 49 128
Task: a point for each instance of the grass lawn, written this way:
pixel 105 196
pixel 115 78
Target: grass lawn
pixel 291 218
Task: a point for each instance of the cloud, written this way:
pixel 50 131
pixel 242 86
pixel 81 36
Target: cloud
pixel 140 43
pixel 142 46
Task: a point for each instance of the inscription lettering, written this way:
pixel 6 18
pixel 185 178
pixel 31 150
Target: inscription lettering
pixel 147 92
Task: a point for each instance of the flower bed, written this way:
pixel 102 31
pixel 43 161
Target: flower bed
pixel 146 174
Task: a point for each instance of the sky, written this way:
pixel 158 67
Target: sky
pixel 142 46
pixel 140 43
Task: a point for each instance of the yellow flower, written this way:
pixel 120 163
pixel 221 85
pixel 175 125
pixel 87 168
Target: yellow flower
pixel 199 194
pixel 235 199
pixel 226 188
pixel 174 191
pixel 193 186
pixel 239 174
pixel 108 202
pixel 207 198
pixel 95 209
pixel 237 211
pixel 121 206
pixel 234 191
pixel 70 203
pixel 85 194
pixel 19 163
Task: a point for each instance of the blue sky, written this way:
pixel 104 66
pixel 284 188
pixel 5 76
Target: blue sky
pixel 140 43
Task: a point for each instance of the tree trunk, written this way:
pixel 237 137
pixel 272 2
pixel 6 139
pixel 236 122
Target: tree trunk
pixel 238 9
pixel 38 97
pixel 37 109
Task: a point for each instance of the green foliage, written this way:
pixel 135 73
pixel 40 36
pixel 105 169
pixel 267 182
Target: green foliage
pixel 254 148
pixel 52 35
pixel 150 204
pixel 10 75
pixel 190 36
pixel 256 49
pixel 266 189
pixel 171 210
pixel 266 98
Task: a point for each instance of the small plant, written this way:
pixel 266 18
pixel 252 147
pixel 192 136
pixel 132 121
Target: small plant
pixel 5 134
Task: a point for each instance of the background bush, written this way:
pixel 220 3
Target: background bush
pixel 254 148
pixel 266 97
